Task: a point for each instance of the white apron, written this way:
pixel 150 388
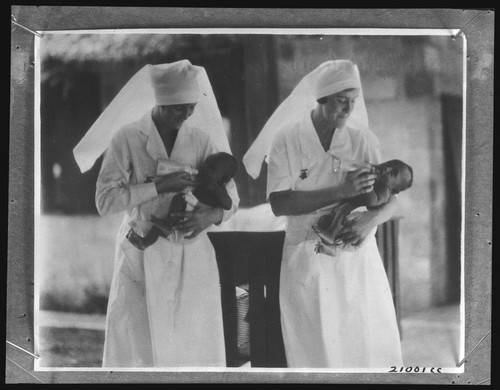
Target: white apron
pixel 336 312
pixel 164 306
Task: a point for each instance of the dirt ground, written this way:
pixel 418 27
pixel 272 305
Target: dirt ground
pixel 70 347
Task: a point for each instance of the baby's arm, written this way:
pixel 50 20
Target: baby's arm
pixel 379 196
pixel 223 197
pixel 369 199
pixel 214 195
pixel 165 225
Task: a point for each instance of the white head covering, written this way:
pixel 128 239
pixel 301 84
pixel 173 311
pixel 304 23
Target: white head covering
pixel 165 84
pixel 175 83
pixel 328 78
pixel 340 75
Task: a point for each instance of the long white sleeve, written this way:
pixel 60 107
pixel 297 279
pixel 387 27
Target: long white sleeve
pixel 115 191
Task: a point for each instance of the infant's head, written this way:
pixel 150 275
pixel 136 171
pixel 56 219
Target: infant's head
pixel 218 167
pixel 396 175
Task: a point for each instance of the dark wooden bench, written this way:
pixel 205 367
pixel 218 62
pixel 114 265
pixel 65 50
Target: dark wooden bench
pixel 254 259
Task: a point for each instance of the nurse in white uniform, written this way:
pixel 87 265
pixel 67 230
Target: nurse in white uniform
pixel 336 308
pixel 164 306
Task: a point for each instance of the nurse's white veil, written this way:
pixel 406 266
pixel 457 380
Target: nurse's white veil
pixel 299 103
pixel 134 100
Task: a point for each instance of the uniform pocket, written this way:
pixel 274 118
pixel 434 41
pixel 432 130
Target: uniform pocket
pixel 133 263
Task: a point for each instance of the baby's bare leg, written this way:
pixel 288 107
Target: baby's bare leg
pixel 338 215
pixel 165 225
pixel 329 225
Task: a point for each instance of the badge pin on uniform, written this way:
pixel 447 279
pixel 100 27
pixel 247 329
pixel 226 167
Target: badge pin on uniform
pixel 303 173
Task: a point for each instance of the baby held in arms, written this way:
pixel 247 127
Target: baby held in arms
pixel 392 177
pixel 216 171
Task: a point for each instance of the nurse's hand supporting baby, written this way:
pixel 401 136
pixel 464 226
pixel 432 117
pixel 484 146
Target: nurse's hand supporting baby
pixel 359 224
pixel 197 220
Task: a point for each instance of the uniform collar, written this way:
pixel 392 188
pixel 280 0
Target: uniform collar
pixel 309 141
pixel 154 144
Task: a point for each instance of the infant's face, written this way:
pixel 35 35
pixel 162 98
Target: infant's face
pixel 395 180
pixel 215 174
